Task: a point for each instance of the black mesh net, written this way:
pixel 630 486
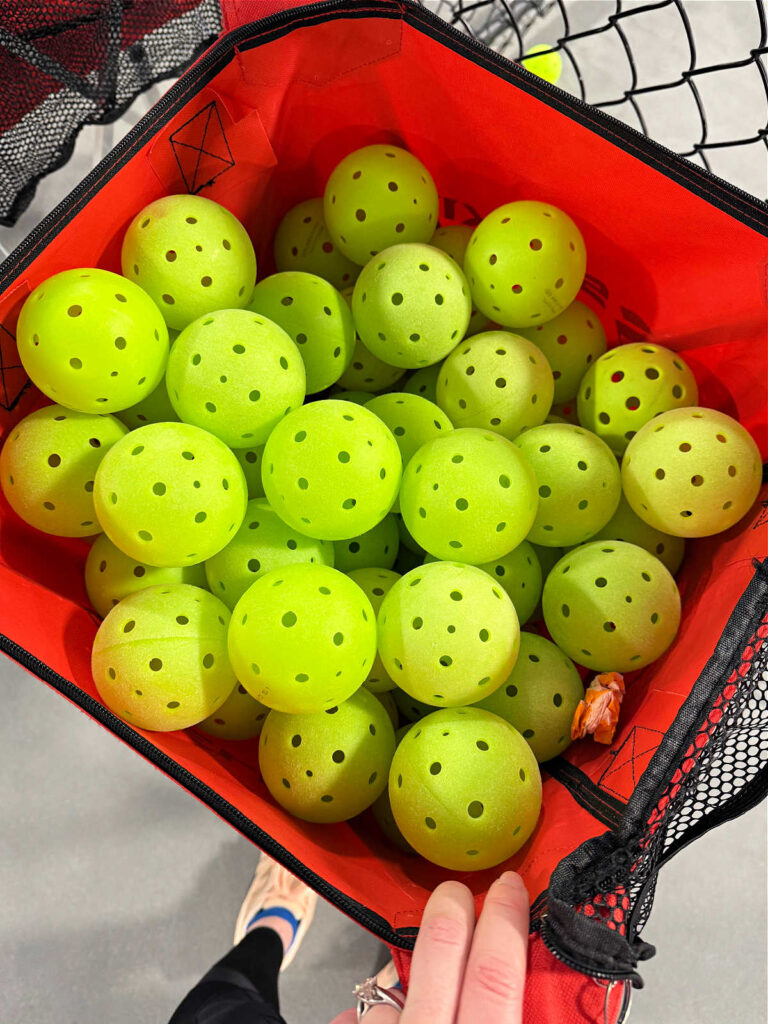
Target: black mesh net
pixel 68 63
pixel 691 75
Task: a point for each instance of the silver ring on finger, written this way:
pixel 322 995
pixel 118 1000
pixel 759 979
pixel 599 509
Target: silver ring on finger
pixel 369 994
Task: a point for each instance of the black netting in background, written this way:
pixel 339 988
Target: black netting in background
pixel 68 63
pixel 690 74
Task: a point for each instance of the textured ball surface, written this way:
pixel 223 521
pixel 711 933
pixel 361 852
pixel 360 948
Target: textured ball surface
pixel 375 549
pixel 191 255
pixel 525 263
pixel 111 575
pixel 367 373
pixel 413 420
pixel 235 375
pixel 625 525
pixel 611 606
pixel 692 472
pixel 454 239
pixel 411 305
pixel 328 766
pixel 240 717
pixel 376 584
pixel 377 196
pixel 160 657
pixel 250 460
pixel 519 573
pixel 540 696
pixel 541 60
pixel 448 634
pixel 155 408
pixel 469 496
pixel 465 789
pixel 497 380
pixel 571 342
pixel 331 470
pixel 317 318
pixel 170 494
pixel 579 483
pixel 302 638
pixel 48 465
pixel 263 543
pixel 629 386
pixel 92 341
pixel 424 382
pixel 302 242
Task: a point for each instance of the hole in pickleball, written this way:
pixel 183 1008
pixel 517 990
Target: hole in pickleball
pixel 338 639
pixel 604 417
pixel 446 660
pixel 565 610
pixel 397 298
pixel 439 300
pixel 609 627
pixel 289 619
pixel 677 391
pixel 544 491
pixel 172 704
pixel 145 535
pixel 155 664
pixel 200 517
pixel 456 595
pixel 475 809
pixel 343 456
pixel 430 823
pixel 303 483
pixel 348 503
pixel 208 661
pixel 337 756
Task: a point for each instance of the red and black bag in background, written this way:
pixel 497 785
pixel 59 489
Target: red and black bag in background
pixel 674 254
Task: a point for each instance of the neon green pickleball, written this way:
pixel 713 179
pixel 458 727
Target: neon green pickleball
pixel 411 709
pixel 548 558
pixel 155 408
pixel 543 61
pixel 413 420
pixel 48 465
pixel 692 472
pixel 564 412
pixel 240 717
pixel 626 525
pixel 331 470
pixel 191 255
pixel 448 634
pixel 170 494
pixel 302 638
pixel 263 543
pixel 465 789
pixel 375 549
pixel 328 766
pixel 469 496
pixel 385 819
pixel 571 342
pixel 387 701
pixel 377 196
pixel 454 239
pixel 628 386
pixel 376 584
pixel 540 696
pixel 111 575
pixel 357 397
pixel 160 657
pixel 250 462
pixel 235 374
pixel 411 305
pixel 92 341
pixel 579 483
pixel 317 318
pixel 525 263
pixel 519 573
pixel 424 382
pixel 611 606
pixel 302 242
pixel 367 373
pixel 497 380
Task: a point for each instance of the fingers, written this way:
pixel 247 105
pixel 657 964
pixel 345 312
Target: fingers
pixel 347 1017
pixel 440 957
pixel 495 976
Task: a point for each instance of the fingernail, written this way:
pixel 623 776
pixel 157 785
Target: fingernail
pixel 511 878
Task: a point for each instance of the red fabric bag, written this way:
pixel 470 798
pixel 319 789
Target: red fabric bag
pixel 674 254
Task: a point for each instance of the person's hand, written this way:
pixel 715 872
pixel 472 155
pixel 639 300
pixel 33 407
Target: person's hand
pixel 462 972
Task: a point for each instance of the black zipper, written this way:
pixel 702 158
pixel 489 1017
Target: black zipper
pixel 699 181
pixel 375 924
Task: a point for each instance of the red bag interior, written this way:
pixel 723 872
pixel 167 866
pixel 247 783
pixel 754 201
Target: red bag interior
pixel 663 263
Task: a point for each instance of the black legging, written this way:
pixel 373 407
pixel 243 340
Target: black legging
pixel 241 988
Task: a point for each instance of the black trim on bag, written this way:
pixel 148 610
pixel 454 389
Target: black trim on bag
pixel 737 203
pixel 607 808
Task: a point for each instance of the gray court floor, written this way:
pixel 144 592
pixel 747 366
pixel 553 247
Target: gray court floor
pixel 119 889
